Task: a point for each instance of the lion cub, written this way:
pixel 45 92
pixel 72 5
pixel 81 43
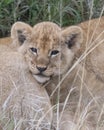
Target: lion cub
pixel 24 104
pixel 70 64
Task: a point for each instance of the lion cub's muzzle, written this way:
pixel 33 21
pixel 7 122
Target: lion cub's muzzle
pixel 41 77
pixel 41 69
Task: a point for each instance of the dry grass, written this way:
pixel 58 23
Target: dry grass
pixel 92 107
pixel 80 116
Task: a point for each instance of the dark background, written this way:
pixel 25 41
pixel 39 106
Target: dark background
pixel 62 12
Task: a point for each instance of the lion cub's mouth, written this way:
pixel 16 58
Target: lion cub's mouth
pixel 41 78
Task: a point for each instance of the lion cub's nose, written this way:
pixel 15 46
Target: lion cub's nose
pixel 41 69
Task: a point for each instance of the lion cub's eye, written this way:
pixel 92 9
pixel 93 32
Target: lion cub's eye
pixel 34 50
pixel 54 52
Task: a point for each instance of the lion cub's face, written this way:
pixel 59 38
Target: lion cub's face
pixel 48 49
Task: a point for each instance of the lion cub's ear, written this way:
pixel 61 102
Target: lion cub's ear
pixel 20 32
pixel 73 37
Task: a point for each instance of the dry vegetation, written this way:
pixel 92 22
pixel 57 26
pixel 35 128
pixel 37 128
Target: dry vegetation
pixel 63 13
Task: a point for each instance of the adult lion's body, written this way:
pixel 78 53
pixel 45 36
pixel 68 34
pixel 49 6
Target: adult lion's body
pixel 6 41
pixel 93 41
pixel 72 61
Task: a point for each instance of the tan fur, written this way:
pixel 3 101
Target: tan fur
pixel 86 80
pixel 6 40
pixel 24 104
pixel 77 70
pixel 45 37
